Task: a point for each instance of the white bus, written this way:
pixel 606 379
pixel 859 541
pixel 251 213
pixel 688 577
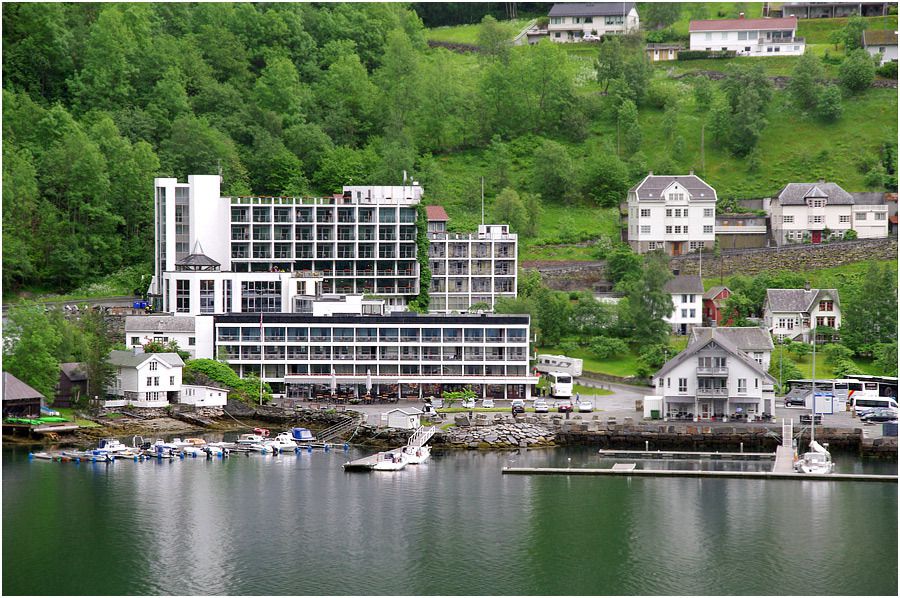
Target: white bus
pixel 560 384
pixel 559 363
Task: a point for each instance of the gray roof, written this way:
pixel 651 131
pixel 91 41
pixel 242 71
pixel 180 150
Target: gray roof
pixel 704 338
pixel 16 390
pixel 74 371
pixel 653 185
pixel 713 291
pixel 868 198
pixel 795 194
pixel 197 259
pixel 159 323
pixel 688 283
pixel 669 46
pixel 745 338
pixel 131 359
pixel 590 9
pixel 795 300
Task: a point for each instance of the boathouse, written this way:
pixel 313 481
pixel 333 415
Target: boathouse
pixel 19 399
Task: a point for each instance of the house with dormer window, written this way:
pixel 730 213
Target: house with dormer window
pixel 712 379
pixel 672 213
pixel 144 380
pixel 794 314
pixel 817 212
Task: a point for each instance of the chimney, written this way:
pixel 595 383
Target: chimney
pixel 691 173
pixel 649 173
pixel 806 286
pixel 137 350
pixel 821 181
pixel 742 15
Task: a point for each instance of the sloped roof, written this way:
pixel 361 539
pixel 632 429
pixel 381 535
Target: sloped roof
pixel 879 37
pixel 714 291
pixel 745 338
pixel 159 324
pixel 705 338
pixel 795 300
pixel 131 359
pixel 653 185
pixel 436 213
pixel 743 24
pixel 197 259
pixel 16 390
pixel 867 198
pixel 687 283
pixel 795 194
pixel 406 411
pixel 74 371
pixel 589 9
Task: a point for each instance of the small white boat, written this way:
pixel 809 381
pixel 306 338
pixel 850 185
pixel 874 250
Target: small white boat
pixel 111 446
pixel 250 440
pixel 302 435
pixel 817 460
pixel 391 461
pixel 282 442
pixel 416 454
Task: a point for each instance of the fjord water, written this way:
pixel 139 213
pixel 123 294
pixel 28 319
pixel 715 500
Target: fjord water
pixel 297 524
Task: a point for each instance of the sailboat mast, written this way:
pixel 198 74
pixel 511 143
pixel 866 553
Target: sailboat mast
pixel 812 434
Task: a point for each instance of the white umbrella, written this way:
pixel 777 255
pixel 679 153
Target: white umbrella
pixel 333 381
pixel 368 381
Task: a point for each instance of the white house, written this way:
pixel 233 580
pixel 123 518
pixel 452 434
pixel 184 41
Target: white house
pixel 754 341
pixel 572 21
pixel 674 213
pixel 140 330
pixel 711 379
pixel 687 298
pixel 881 43
pixel 144 379
pixel 204 396
pixel 748 37
pixel 815 212
pixel 795 313
pixel 407 418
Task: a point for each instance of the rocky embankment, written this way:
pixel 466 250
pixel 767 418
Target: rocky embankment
pixel 498 436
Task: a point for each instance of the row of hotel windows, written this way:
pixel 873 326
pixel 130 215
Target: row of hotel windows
pixel 677 229
pixel 256 296
pixel 479 268
pixel 278 334
pixel 679 212
pixel 479 285
pixel 279 370
pixel 308 251
pixel 328 233
pixel 458 303
pixel 323 214
pixel 371 353
pixel 440 250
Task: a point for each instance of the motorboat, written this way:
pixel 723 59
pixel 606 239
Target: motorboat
pixel 112 446
pixel 302 435
pixel 416 454
pixel 391 461
pixel 817 460
pixel 282 442
pixel 250 439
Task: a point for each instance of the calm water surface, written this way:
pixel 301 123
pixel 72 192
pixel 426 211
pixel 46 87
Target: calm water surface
pixel 297 524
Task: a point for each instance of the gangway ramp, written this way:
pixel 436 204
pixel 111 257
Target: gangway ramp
pixel 421 436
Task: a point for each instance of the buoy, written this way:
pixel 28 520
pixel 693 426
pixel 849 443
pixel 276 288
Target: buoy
pixel 346 446
pixel 181 455
pixel 135 458
pixel 308 448
pixel 30 456
pixel 78 459
pixel 327 447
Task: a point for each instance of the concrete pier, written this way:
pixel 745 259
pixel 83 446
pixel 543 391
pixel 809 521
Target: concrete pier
pixel 681 473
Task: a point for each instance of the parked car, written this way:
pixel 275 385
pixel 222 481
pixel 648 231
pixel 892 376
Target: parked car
pixel 879 415
pixel 541 406
pixel 585 407
pixel 588 37
pixel 794 402
pixel 518 406
pixel 468 403
pixel 564 406
pixel 488 403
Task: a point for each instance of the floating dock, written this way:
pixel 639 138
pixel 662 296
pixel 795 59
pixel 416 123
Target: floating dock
pixel 684 455
pixel 683 473
pixel 363 464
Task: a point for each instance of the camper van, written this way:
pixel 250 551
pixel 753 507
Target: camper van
pixel 559 363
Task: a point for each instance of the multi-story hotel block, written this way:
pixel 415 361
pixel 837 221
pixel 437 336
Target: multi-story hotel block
pixel 402 355
pixel 362 241
pixel 469 268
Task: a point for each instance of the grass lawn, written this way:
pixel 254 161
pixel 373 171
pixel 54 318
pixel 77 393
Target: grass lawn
pixel 816 31
pixel 824 369
pixel 622 365
pixel 69 414
pixel 468 34
pixel 839 277
pixel 590 390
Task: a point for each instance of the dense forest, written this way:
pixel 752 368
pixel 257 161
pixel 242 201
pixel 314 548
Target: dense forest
pixel 281 98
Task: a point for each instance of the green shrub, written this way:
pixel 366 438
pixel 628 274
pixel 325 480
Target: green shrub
pixel 888 70
pixel 603 347
pixel 704 54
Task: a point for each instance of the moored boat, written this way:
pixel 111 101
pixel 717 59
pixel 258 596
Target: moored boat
pixel 416 454
pixel 817 460
pixel 391 461
pixel 302 435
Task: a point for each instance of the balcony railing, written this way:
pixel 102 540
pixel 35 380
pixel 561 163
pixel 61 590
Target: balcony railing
pixel 712 371
pixel 712 392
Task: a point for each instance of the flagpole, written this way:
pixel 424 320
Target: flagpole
pixel 261 360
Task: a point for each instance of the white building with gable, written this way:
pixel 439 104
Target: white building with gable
pixel 748 37
pixel 672 213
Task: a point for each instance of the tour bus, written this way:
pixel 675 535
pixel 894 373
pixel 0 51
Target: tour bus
pixel 560 384
pixel 842 389
pixel 880 386
pixel 559 363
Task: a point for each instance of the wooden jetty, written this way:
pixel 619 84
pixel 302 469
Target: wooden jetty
pixel 683 473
